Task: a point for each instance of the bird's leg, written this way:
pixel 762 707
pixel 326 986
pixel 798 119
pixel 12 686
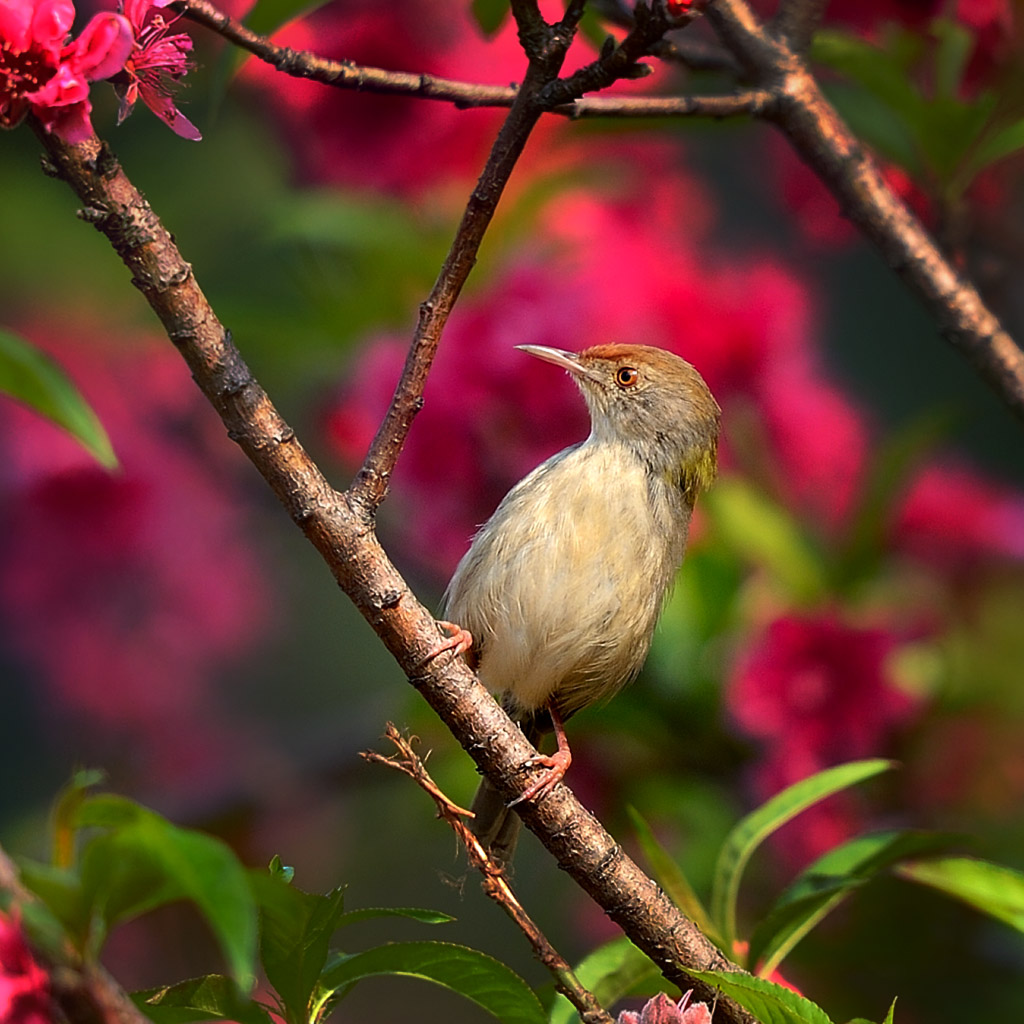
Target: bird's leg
pixel 556 764
pixel 458 642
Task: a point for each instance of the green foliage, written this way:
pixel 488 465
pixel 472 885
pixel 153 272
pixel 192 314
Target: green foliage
pixel 31 377
pixel 490 15
pixel 115 860
pixel 480 978
pixel 212 997
pixel 939 133
pixel 757 826
pixel 770 1003
pixel 613 971
pixel 991 888
pixel 822 886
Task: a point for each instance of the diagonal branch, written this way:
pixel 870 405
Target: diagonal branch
pixel 546 47
pixel 354 556
pixel 803 113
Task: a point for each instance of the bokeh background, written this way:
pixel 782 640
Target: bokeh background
pixel 855 585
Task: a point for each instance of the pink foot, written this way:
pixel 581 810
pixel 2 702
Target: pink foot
pixel 556 764
pixel 460 640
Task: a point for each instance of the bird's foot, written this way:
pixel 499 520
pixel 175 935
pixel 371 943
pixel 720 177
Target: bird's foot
pixel 555 766
pixel 458 641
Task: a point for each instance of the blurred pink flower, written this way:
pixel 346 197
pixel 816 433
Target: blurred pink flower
pixel 954 518
pixel 661 1010
pixel 157 64
pixel 393 143
pixel 41 73
pixel 125 591
pixel 815 691
pixel 24 985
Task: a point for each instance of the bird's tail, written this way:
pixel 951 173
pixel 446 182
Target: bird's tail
pixel 496 824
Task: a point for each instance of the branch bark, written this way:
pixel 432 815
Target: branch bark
pixel 340 531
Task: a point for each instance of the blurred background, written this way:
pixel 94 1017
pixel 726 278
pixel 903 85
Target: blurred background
pixel 855 583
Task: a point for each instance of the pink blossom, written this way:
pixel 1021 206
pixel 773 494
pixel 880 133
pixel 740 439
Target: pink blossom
pixel 42 73
pixel 389 143
pixel 24 984
pixel 954 518
pixel 125 592
pixel 816 691
pixel 157 63
pixel 661 1010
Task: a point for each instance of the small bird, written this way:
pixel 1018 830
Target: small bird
pixel 556 600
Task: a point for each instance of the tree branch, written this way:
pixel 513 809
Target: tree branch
pixel 546 47
pixel 347 543
pixel 803 113
pixel 797 20
pixel 363 78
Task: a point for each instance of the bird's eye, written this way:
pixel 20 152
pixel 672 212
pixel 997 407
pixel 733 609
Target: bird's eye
pixel 626 376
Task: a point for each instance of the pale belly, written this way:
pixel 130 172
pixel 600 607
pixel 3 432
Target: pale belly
pixel 562 588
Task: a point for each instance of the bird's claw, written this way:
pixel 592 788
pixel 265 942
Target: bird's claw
pixel 458 641
pixel 555 766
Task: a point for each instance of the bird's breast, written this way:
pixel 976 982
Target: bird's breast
pixel 563 586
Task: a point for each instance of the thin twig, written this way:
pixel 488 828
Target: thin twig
pixel 547 47
pixel 495 882
pixel 364 78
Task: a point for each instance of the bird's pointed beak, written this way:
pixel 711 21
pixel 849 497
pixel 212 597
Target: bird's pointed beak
pixel 567 360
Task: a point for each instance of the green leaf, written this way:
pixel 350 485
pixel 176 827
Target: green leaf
pixel 267 16
pixel 768 1002
pixel 764 533
pixel 213 997
pixel 955 46
pixel 412 913
pixel 490 14
pixel 995 144
pixel 33 378
pixel 752 830
pixel 295 934
pixel 613 971
pixel 890 1016
pixel 65 813
pixel 826 882
pixel 670 876
pixel 60 891
pixel 991 888
pixel 480 978
pixel 143 861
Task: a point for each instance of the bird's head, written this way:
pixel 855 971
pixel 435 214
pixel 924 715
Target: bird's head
pixel 651 401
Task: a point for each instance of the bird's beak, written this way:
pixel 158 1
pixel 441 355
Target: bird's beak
pixel 567 360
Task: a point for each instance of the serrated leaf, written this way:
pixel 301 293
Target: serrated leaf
pixel 613 971
pixel 991 888
pixel 480 978
pixel 295 934
pixel 212 997
pixel 768 1002
pixel 825 883
pixel 143 861
pixel 670 876
pixel 764 533
pixel 31 377
pixel 411 913
pixel 752 830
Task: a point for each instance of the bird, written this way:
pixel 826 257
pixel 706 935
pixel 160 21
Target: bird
pixel 555 602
